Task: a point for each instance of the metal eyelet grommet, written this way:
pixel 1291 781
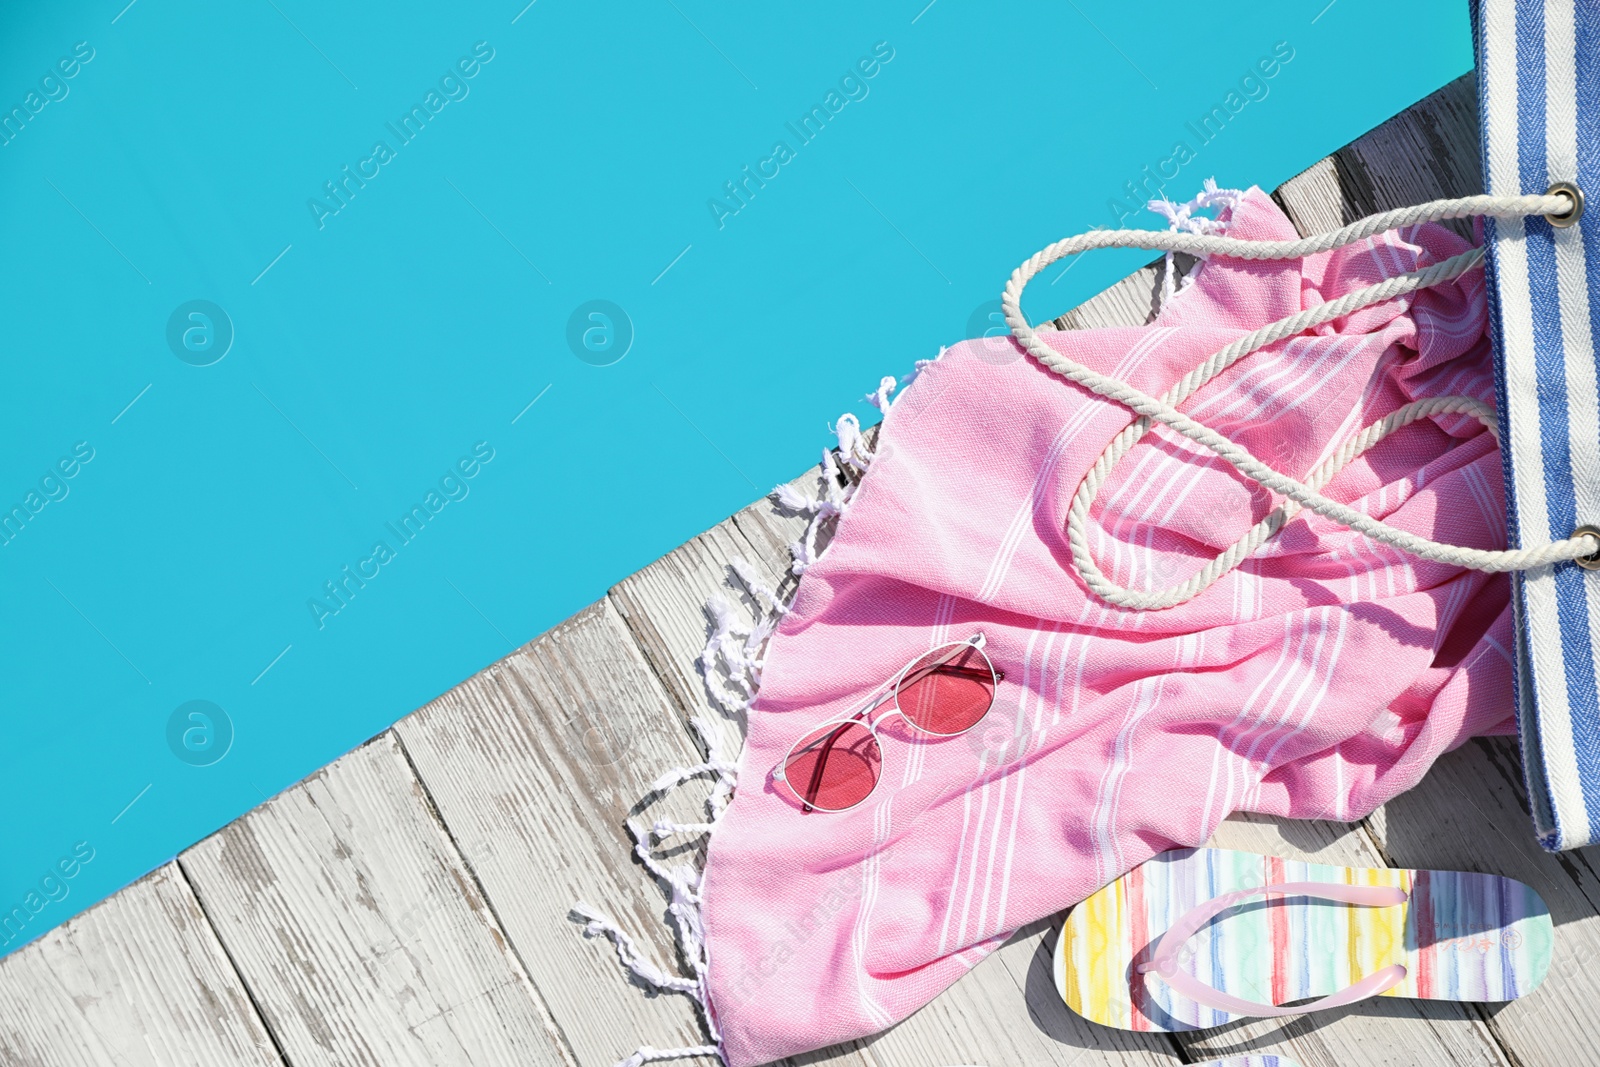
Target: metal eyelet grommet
pixel 1568 218
pixel 1588 563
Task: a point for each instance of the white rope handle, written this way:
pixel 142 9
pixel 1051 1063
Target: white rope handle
pixel 1299 494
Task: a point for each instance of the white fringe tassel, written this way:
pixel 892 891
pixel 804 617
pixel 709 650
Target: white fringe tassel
pixel 684 882
pixel 1182 218
pixel 837 490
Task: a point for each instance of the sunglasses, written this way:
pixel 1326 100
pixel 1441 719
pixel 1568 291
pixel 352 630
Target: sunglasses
pixel 944 692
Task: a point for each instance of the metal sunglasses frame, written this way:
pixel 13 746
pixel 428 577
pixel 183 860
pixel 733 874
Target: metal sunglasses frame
pixel 888 691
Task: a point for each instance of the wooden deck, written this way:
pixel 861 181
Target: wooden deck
pixel 408 905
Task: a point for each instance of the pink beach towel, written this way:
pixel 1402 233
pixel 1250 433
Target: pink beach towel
pixel 1318 680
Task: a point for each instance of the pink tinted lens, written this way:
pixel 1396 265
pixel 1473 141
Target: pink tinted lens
pixel 835 766
pixel 948 690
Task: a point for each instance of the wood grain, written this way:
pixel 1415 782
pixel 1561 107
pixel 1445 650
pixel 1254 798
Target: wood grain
pixel 1006 1011
pixel 663 605
pixel 360 931
pixel 138 980
pixel 1427 152
pixel 535 765
pixel 1133 301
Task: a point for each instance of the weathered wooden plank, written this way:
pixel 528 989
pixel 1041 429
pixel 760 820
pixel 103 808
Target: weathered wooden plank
pixel 138 980
pixel 663 605
pixel 1006 1011
pixel 1470 814
pixel 770 530
pixel 1383 1031
pixel 1427 152
pixel 535 764
pixel 361 932
pixel 1130 302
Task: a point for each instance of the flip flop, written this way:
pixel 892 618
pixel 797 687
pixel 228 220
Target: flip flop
pixel 1196 938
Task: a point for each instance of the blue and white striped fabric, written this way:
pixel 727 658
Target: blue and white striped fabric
pixel 1539 94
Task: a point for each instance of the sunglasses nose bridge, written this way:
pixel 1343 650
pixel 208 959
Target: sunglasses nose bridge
pixel 888 712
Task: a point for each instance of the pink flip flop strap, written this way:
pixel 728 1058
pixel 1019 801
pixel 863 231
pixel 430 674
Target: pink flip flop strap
pixel 1165 959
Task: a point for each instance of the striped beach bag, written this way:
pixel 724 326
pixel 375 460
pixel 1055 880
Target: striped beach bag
pixel 1539 96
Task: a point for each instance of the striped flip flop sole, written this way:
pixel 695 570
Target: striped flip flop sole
pixel 1460 936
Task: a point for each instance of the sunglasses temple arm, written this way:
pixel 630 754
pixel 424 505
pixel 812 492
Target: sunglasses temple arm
pixel 976 672
pixel 949 668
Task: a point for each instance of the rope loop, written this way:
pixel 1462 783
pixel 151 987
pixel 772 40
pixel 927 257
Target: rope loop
pixel 1583 544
